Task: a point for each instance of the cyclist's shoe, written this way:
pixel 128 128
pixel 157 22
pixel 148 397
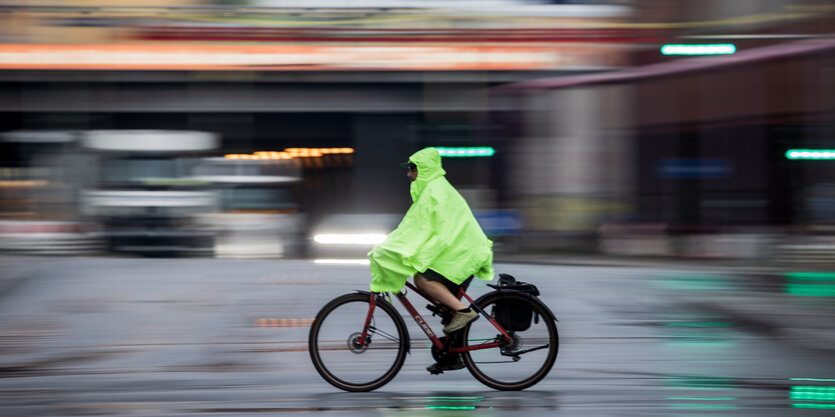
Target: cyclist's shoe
pixel 459 320
pixel 439 368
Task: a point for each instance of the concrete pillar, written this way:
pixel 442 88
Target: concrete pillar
pixel 574 166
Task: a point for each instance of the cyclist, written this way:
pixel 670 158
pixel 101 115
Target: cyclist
pixel 438 242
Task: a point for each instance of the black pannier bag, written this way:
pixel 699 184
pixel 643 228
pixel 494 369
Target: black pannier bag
pixel 511 314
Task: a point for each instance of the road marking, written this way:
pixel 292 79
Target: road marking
pixel 292 323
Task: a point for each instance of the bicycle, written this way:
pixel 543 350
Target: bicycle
pixel 359 341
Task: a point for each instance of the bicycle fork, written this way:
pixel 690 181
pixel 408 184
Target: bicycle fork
pixel 372 304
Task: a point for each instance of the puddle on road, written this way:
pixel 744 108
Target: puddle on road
pixel 400 404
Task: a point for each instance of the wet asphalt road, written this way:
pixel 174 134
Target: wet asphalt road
pixel 158 337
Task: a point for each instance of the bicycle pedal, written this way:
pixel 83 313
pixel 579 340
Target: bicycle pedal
pixel 436 372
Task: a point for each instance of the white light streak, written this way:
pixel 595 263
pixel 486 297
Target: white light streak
pixel 698 49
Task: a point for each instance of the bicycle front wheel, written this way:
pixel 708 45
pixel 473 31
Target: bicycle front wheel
pixel 337 356
pixel 520 364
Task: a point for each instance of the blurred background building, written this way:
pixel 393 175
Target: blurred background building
pixel 242 128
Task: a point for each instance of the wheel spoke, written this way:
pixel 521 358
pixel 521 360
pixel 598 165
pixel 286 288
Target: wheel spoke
pixel 500 367
pixel 375 330
pixel 341 360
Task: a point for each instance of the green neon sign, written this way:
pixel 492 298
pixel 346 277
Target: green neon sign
pixel 810 154
pixel 466 152
pixel 708 49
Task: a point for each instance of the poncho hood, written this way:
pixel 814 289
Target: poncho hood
pixel 428 162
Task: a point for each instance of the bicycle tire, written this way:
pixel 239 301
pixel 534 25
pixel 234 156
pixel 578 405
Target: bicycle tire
pixel 501 372
pixel 344 366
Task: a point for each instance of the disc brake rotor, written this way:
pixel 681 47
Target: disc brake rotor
pixel 353 343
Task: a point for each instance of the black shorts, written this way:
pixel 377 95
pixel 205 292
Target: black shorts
pixel 431 275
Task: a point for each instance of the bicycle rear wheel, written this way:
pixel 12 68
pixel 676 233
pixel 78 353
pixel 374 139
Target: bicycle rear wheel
pixel 335 354
pixel 526 360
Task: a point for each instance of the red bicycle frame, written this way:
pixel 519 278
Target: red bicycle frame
pixel 372 304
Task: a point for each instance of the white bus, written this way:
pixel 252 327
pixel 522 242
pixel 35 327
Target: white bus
pixel 144 195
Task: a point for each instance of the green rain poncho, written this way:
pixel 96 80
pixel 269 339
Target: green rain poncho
pixel 438 232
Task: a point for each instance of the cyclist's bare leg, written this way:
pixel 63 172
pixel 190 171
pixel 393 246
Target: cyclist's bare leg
pixel 439 292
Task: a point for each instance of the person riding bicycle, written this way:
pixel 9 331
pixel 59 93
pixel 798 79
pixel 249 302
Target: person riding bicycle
pixel 438 242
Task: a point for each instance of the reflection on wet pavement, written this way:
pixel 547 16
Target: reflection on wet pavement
pixel 696 329
pixel 690 281
pixel 702 393
pixel 812 284
pixel 821 395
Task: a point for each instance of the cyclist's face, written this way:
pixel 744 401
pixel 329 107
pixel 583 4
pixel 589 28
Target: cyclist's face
pixel 412 173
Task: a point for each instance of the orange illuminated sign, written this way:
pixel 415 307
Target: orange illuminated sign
pixel 291 153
